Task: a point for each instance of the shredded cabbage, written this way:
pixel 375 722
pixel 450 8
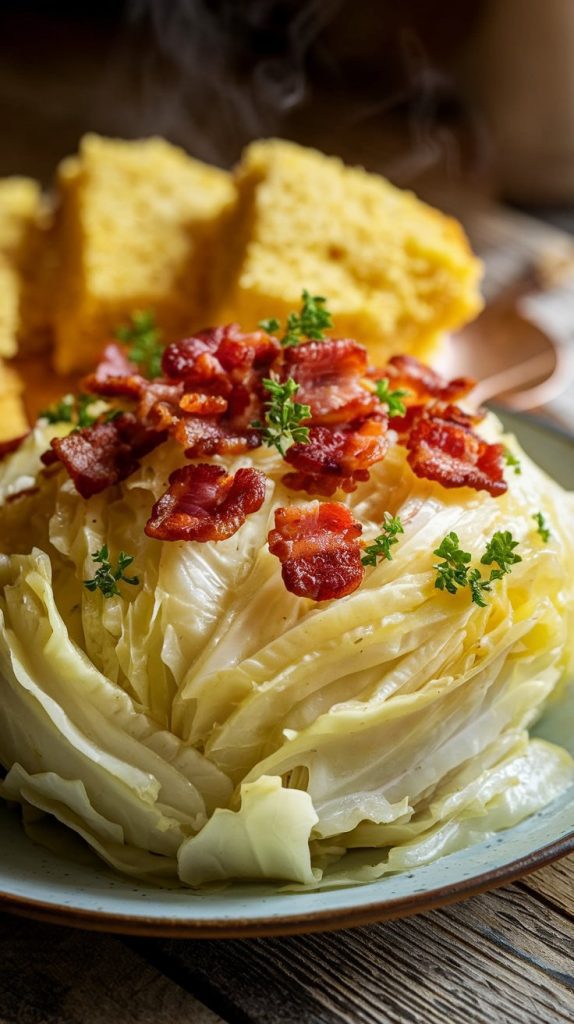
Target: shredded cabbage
pixel 211 725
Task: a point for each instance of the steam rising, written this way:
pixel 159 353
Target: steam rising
pixel 213 75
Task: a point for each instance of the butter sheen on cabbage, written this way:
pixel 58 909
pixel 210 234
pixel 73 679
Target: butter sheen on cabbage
pixel 213 726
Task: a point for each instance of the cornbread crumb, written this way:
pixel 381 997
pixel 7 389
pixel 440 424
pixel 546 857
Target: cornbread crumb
pixel 13 420
pixel 396 272
pixel 137 223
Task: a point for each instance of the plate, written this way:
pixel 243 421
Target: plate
pixel 38 883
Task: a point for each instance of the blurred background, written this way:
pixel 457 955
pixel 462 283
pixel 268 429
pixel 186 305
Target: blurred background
pixel 479 93
pixel 470 104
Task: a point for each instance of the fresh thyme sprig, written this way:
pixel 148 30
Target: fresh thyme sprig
pixel 76 409
pixel 454 572
pixel 392 399
pixel 106 578
pixel 283 416
pixel 381 546
pixel 310 323
pixel 541 526
pixel 511 460
pixel 500 550
pixel 144 339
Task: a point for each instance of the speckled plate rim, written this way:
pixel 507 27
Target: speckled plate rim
pixel 352 904
pixel 315 921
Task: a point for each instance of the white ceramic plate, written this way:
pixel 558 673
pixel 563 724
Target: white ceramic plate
pixel 86 894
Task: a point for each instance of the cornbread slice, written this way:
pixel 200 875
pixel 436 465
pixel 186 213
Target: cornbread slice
pixel 137 222
pixel 396 272
pixel 13 420
pixel 24 292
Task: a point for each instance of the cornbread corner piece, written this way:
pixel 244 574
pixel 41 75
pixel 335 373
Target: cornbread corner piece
pixel 24 294
pixel 13 420
pixel 137 221
pixel 396 272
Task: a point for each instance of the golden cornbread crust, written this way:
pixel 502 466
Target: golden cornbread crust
pixel 137 223
pixel 396 272
pixel 24 289
pixel 13 420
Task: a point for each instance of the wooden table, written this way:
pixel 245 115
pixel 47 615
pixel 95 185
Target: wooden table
pixel 506 957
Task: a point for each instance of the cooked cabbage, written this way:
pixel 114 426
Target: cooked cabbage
pixel 211 724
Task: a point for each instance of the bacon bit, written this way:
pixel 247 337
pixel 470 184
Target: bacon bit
pixel 8 447
pixel 49 457
pixel 318 547
pixel 408 372
pixel 443 447
pixel 203 405
pixel 224 362
pixel 335 458
pixel 113 363
pixel 99 456
pixel 204 503
pixel 129 386
pixel 179 360
pixel 257 349
pixel 159 403
pixel 329 375
pixel 213 353
pixel 404 424
pixel 204 435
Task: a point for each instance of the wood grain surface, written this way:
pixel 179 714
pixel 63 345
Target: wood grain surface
pixel 501 958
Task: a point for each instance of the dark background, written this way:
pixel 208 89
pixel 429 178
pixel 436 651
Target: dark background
pixel 370 79
pixel 478 93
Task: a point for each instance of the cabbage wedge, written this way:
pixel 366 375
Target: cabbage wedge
pixel 208 725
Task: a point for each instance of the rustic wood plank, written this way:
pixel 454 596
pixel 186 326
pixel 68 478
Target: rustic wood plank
pixel 503 957
pixel 555 883
pixel 52 975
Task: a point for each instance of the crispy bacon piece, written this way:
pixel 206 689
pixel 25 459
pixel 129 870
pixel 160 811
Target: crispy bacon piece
pixel 99 456
pixel 127 386
pixel 318 547
pixel 158 404
pixel 329 375
pixel 225 362
pixel 113 363
pixel 8 447
pixel 195 403
pixel 217 351
pixel 408 372
pixel 403 425
pixel 338 457
pixel 443 446
pixel 204 436
pixel 236 349
pixel 205 503
pixel 193 359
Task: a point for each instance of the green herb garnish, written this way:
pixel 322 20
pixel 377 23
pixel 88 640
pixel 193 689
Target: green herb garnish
pixel 310 323
pixel 283 416
pixel 381 546
pixel 541 526
pixel 392 399
pixel 454 572
pixel 106 577
pixel 73 409
pixel 144 339
pixel 511 460
pixel 500 550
